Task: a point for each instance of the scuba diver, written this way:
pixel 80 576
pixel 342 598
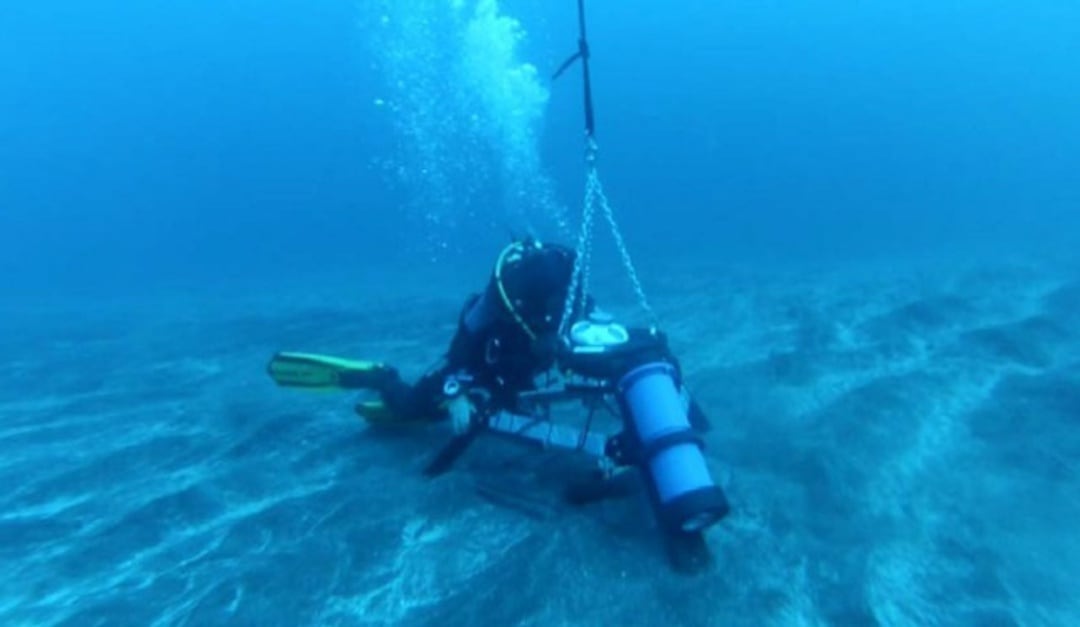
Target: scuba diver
pixel 532 338
pixel 506 336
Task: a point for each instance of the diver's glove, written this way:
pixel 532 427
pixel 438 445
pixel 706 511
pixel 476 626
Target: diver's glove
pixel 460 410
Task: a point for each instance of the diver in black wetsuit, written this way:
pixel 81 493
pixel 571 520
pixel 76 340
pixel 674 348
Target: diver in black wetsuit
pixel 506 336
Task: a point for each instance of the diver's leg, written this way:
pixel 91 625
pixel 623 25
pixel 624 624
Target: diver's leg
pixel 400 402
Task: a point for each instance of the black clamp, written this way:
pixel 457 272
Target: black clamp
pixel 624 450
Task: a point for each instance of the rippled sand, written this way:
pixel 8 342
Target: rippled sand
pixel 900 448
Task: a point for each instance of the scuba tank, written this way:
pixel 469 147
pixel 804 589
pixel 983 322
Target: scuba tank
pixel 658 436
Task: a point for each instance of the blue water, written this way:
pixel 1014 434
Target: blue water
pixel 858 224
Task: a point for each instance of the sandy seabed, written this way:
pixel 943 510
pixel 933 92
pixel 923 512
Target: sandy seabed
pixel 900 448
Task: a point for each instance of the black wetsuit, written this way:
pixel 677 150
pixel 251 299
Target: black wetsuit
pixel 506 335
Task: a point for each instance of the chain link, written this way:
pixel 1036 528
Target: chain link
pixel 579 276
pixel 635 282
pixel 579 279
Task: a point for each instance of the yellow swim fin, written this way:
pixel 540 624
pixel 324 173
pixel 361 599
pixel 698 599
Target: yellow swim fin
pixel 323 372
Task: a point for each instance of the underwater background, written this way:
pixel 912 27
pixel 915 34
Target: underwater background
pixel 858 222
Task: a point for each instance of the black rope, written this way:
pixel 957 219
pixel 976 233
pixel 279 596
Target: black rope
pixel 583 54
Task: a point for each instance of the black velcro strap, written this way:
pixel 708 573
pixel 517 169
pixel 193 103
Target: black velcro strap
pixel 668 440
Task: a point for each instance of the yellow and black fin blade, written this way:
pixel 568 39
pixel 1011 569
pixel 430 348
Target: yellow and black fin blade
pixel 324 372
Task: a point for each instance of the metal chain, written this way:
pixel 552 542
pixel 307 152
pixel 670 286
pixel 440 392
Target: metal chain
pixel 586 251
pixel 643 302
pixel 579 278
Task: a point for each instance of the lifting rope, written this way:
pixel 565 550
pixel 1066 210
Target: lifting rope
pixel 594 197
pixel 583 55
